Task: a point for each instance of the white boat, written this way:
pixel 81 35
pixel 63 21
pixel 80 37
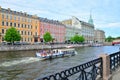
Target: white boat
pixel 56 53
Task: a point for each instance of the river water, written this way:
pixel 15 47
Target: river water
pixel 23 65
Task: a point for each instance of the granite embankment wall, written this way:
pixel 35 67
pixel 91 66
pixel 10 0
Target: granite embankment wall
pixel 34 47
pixel 107 43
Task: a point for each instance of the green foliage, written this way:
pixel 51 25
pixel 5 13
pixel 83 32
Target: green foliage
pixel 118 37
pixel 47 37
pixel 109 39
pixel 12 35
pixel 77 39
pixel 81 39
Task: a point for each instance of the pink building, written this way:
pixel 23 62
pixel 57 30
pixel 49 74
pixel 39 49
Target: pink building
pixel 56 29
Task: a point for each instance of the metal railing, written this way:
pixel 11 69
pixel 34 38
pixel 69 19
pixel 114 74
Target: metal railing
pixel 87 71
pixel 114 61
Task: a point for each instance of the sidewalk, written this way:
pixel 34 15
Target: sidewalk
pixel 116 74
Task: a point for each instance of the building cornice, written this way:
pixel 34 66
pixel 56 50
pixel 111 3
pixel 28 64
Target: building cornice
pixel 23 14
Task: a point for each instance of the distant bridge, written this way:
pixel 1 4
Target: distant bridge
pixel 117 41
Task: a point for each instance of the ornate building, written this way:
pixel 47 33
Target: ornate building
pixel 27 25
pixel 56 29
pixel 80 27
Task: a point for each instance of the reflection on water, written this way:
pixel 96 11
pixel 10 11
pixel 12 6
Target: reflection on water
pixel 23 65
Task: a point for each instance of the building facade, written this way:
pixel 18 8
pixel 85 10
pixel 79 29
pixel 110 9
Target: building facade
pixel 99 36
pixel 86 29
pixel 56 29
pixel 27 25
pixel 70 32
pixel 81 28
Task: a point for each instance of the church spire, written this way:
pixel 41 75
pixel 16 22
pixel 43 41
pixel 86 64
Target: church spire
pixel 90 19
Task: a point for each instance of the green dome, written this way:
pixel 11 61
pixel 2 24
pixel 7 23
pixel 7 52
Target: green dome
pixel 90 20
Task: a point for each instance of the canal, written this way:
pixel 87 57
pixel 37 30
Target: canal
pixel 23 65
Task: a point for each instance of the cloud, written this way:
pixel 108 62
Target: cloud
pixel 116 24
pixel 109 25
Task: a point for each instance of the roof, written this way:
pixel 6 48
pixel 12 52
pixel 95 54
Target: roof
pixel 9 11
pixel 50 21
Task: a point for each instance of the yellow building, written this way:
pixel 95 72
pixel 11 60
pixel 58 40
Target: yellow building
pixel 27 25
pixel 68 22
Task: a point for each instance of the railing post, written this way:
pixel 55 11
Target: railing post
pixel 106 67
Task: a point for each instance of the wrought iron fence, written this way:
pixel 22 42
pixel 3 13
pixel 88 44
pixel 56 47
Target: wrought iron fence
pixel 87 71
pixel 114 61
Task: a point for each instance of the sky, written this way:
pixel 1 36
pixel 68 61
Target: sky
pixel 105 13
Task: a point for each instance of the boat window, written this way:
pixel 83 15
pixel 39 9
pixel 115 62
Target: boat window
pixel 53 51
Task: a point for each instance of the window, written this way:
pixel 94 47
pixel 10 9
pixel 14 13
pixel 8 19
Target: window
pixel 36 33
pixel 14 24
pixel 28 20
pixel 18 18
pixel 7 16
pixel 11 24
pixel 3 16
pixel 14 17
pixel 7 24
pixel 2 38
pixel 28 39
pixel 22 25
pixel 22 39
pixel 22 19
pixel 21 32
pixel 25 32
pixel 25 19
pixel 28 27
pixel 35 27
pixel 10 17
pixel 3 31
pixel 25 39
pixel 18 25
pixel 2 23
pixel 25 25
pixel 28 33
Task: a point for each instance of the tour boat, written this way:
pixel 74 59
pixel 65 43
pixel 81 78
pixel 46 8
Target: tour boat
pixel 50 54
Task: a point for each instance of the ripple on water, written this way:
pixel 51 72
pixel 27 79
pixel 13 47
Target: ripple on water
pixel 19 61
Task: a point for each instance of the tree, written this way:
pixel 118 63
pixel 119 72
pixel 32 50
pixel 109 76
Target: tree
pixel 47 37
pixel 81 39
pixel 117 37
pixel 12 35
pixel 109 39
pixel 76 38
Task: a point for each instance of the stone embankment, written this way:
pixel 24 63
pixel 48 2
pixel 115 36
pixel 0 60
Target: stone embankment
pixel 107 43
pixel 35 47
